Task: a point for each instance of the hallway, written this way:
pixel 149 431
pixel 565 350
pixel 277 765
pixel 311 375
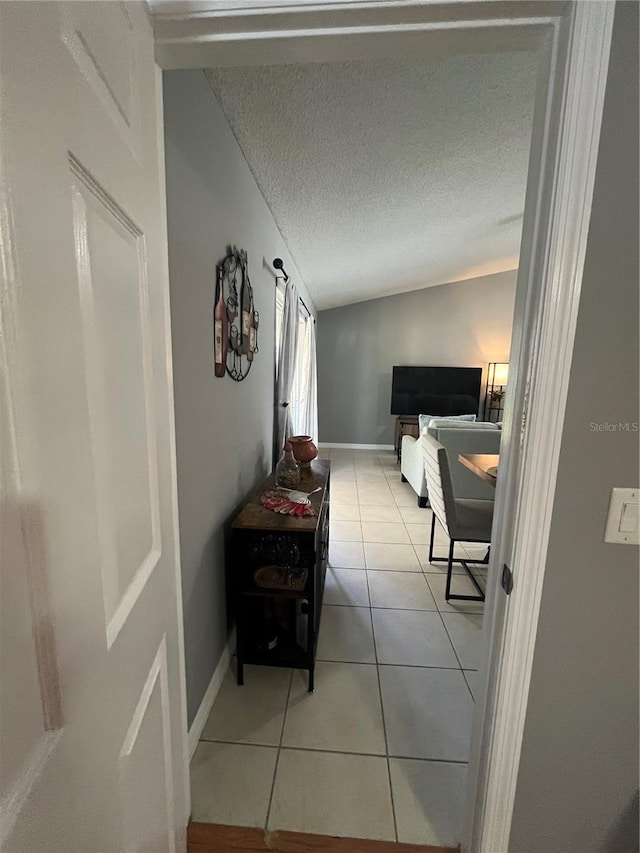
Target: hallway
pixel 380 750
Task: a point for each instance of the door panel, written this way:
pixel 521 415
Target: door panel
pixel 93 722
pixel 102 40
pixel 30 711
pixel 112 276
pixel 145 757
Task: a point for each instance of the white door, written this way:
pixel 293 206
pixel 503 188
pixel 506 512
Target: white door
pixel 93 750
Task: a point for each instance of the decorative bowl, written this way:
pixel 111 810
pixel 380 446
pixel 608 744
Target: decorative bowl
pixel 304 450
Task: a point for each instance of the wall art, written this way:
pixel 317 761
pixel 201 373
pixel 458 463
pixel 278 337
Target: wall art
pixel 235 319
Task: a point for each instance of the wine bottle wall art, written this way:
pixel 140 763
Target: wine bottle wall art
pixel 235 320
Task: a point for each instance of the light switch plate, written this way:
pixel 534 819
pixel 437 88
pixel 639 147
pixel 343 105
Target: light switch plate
pixel 623 519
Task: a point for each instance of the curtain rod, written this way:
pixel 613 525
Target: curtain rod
pixel 304 305
pixel 279 265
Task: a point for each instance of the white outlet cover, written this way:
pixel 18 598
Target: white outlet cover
pixel 623 518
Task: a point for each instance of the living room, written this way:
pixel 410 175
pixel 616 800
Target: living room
pixel 238 144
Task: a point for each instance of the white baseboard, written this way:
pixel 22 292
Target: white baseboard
pixel 356 446
pixel 210 695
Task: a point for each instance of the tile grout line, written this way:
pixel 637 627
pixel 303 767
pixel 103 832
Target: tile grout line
pixel 435 609
pixel 343 752
pixel 466 680
pixel 440 612
pixel 455 651
pixel 275 769
pixel 384 724
pixel 460 612
pixel 444 625
pixel 406 665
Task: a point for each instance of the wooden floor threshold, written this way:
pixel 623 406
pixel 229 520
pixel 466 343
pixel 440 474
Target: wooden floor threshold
pixel 218 838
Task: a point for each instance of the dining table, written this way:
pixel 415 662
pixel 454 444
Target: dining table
pixel 483 465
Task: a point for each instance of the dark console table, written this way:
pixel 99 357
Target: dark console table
pixel 279 627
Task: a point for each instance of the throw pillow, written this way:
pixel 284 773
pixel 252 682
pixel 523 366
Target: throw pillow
pixel 425 420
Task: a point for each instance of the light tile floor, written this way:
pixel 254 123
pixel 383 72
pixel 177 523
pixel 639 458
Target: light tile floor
pixel 380 750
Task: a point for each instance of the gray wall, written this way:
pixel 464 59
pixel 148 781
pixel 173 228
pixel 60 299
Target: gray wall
pixel 461 324
pixel 579 767
pixel 223 428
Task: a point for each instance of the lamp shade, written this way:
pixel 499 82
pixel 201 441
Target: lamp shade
pixel 500 373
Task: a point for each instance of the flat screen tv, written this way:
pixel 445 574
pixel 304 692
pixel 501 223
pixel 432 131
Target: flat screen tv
pixel 435 390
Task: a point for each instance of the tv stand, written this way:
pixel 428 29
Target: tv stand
pixel 405 425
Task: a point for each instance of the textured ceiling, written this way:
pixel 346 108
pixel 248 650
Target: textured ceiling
pixel 388 176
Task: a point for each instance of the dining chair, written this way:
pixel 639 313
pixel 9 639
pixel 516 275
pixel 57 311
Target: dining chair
pixel 463 519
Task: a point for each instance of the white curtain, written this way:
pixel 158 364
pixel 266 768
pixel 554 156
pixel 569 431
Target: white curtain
pixel 287 361
pixel 304 413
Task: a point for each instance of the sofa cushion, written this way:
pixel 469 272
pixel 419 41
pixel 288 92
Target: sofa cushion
pixel 412 466
pixel 445 423
pixel 425 420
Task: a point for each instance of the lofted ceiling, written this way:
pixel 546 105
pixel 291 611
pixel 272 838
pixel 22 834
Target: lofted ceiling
pixel 388 176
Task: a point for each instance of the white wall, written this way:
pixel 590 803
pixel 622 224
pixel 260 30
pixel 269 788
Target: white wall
pixel 463 324
pixel 578 777
pixel 223 428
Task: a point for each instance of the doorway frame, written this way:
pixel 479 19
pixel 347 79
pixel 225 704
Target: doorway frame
pixel 572 41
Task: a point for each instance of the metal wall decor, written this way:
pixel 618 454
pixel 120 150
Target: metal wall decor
pixel 235 319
